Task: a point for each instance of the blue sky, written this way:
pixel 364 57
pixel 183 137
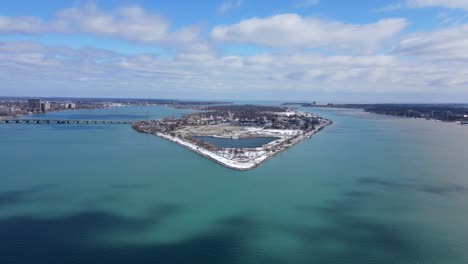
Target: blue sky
pixel 325 50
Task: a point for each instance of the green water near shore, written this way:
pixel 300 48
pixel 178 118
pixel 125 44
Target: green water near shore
pixel 367 189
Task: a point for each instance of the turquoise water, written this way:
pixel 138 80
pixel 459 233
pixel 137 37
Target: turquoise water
pixel 368 189
pixel 237 143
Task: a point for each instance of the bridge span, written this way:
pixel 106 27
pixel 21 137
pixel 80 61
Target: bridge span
pixel 65 121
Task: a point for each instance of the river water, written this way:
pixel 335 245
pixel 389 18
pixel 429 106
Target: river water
pixel 367 189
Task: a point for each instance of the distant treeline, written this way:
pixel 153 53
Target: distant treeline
pixel 403 108
pixel 444 112
pixel 130 101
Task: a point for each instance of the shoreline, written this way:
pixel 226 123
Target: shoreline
pixel 251 163
pixel 456 122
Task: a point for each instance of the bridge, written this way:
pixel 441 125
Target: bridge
pixel 61 121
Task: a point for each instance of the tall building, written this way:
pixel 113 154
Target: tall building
pixel 67 106
pixel 12 110
pixel 7 110
pixel 3 110
pixel 45 106
pixel 34 105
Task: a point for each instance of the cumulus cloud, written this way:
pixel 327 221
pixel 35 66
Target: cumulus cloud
pixel 294 31
pixel 443 44
pixel 96 72
pixel 22 25
pixel 131 23
pixel 432 62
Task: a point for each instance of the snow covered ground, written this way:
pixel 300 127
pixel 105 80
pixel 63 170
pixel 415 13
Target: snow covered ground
pixel 252 157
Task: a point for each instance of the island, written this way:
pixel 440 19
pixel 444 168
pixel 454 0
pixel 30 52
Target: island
pixel 239 137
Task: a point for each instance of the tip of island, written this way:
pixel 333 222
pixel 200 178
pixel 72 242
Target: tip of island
pixel 238 137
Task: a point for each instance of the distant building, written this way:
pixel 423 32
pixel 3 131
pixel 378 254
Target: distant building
pixel 45 106
pixel 7 110
pixel 11 110
pixel 3 111
pixel 34 105
pixel 67 106
pixel 441 115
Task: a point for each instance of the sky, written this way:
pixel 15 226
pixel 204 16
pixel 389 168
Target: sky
pixel 381 51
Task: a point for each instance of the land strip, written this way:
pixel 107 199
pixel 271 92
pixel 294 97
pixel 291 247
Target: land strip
pixel 237 122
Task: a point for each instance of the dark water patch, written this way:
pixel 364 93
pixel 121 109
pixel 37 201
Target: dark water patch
pixel 348 238
pixel 237 143
pixel 27 239
pixel 442 189
pixel 15 197
pixel 74 228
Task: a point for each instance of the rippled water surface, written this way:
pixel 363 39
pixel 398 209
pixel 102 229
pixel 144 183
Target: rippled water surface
pixel 367 189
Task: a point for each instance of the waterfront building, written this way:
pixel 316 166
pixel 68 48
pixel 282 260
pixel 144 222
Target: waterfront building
pixel 441 115
pixel 67 106
pixel 34 105
pixel 45 106
pixel 11 110
pixel 7 110
pixel 3 111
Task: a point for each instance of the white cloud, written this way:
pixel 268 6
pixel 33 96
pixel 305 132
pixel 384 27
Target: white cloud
pixel 95 72
pixel 23 25
pixel 131 23
pixel 229 5
pixel 294 31
pixel 432 63
pixel 449 4
pixel 443 44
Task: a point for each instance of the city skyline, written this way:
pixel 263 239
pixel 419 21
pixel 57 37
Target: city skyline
pixel 384 51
